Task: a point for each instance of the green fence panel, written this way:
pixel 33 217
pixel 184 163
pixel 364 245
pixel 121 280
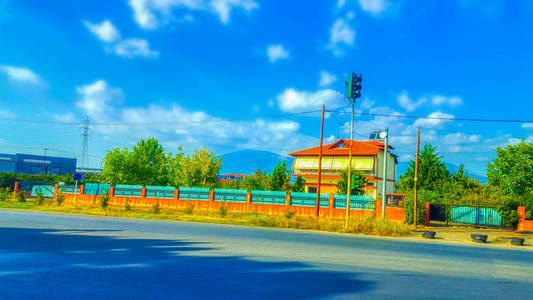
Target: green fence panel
pixel 69 188
pixel 128 190
pixel 308 199
pixel 161 192
pixel 230 195
pixel 46 191
pixel 476 215
pixel 268 197
pixel 358 202
pixel 96 188
pixel 193 193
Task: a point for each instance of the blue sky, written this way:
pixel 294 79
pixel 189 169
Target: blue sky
pixel 240 68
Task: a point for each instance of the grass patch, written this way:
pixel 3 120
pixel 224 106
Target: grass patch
pixel 369 226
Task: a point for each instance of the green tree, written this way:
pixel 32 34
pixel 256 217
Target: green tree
pixel 200 169
pixel 299 185
pixel 512 169
pixel 359 180
pixel 431 171
pixel 258 181
pixel 146 164
pixel 279 177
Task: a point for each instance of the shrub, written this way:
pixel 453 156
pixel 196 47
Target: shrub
pixel 40 198
pixel 223 209
pixel 4 193
pixel 289 214
pixel 156 209
pixel 509 212
pixel 21 198
pixel 104 200
pixel 60 198
pixel 420 208
pixel 127 206
pixel 190 208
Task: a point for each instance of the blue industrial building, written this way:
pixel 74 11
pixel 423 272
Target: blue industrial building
pixel 37 164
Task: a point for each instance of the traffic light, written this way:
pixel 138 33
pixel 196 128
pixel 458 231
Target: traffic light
pixel 355 182
pixel 353 86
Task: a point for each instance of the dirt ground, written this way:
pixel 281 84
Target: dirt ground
pixel 461 234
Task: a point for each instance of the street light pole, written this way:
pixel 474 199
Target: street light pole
pixel 349 178
pixel 384 193
pixel 318 182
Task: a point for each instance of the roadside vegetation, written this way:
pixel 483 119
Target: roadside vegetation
pixel 368 226
pixel 510 184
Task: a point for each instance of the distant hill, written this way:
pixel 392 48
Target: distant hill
pixel 247 161
pixel 403 166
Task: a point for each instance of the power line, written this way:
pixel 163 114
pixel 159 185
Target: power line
pixel 153 123
pixel 436 118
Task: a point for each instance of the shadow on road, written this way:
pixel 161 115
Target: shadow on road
pixel 46 263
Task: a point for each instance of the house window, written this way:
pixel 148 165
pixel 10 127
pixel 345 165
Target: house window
pixel 369 184
pixel 311 189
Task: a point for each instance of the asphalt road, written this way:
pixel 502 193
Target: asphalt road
pixel 44 255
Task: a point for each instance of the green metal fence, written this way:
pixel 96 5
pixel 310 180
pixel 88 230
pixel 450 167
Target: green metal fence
pixel 268 197
pixel 230 195
pixel 128 190
pixel 96 188
pixel 475 215
pixel 160 192
pixel 47 191
pixel 193 193
pixel 308 199
pixel 356 202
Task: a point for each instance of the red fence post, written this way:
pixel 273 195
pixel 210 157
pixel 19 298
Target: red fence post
pixel 211 198
pixel 15 189
pixel 331 204
pixel 427 209
pixel 378 209
pixel 56 190
pixel 288 199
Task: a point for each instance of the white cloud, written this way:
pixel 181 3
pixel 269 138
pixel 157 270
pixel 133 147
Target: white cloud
pixel 95 99
pixel 276 52
pixel 105 31
pixel 151 14
pixel 21 74
pixel 409 105
pixel 374 7
pixel 326 78
pixel 6 114
pixel 340 33
pixel 66 118
pixel 292 100
pixel 436 122
pixel 277 136
pixel 450 101
pixel 340 3
pixel 527 125
pixel 223 7
pixel 134 47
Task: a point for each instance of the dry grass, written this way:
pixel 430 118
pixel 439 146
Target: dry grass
pixel 369 226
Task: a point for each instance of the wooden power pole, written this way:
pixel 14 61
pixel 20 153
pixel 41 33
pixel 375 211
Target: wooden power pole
pixel 318 182
pixel 416 174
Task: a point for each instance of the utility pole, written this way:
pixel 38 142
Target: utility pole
pixel 416 174
pixel 317 211
pixel 386 156
pixel 85 144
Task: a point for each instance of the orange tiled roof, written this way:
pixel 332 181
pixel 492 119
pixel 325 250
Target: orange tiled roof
pixel 363 148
